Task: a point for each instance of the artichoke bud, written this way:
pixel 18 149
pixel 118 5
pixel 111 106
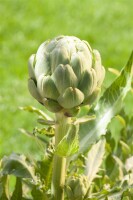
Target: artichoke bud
pixel 76 187
pixel 65 74
pixel 71 98
pixel 52 105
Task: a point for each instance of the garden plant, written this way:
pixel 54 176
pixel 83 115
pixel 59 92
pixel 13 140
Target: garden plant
pixel 82 160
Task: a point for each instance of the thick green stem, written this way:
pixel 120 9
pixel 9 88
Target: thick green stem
pixel 59 163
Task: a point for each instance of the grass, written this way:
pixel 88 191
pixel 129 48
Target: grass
pixel 105 24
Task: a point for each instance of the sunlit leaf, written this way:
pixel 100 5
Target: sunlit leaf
pixel 108 106
pixel 94 159
pixel 37 111
pixel 17 166
pixel 69 145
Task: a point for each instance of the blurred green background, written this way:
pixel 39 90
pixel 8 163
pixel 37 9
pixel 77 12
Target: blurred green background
pixel 24 24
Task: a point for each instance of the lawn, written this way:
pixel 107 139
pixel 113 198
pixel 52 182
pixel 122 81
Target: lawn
pixel 107 25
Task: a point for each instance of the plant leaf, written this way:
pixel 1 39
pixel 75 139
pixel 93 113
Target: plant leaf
pixel 43 138
pixel 17 194
pixel 94 159
pixel 37 111
pixel 108 106
pixel 17 166
pixel 85 119
pixel 4 189
pixel 69 145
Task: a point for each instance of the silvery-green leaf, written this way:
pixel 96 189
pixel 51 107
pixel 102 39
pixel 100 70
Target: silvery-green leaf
pixel 72 97
pixel 107 107
pixel 52 105
pixel 17 166
pixel 33 90
pixel 94 159
pixel 64 77
pixel 69 145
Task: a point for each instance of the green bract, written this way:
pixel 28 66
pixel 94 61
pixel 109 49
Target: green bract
pixel 77 187
pixel 65 73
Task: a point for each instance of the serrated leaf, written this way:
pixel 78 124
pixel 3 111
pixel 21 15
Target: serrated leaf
pixel 107 107
pixel 69 145
pixel 17 166
pixel 17 194
pixel 94 159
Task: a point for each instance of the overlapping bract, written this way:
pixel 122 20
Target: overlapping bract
pixel 65 73
pixel 77 187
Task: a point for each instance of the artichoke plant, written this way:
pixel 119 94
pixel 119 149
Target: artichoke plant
pixel 65 74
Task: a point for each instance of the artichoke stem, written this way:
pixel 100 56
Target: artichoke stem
pixel 59 163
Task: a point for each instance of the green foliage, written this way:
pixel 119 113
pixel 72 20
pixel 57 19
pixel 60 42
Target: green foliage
pixel 102 169
pixel 69 145
pixel 108 106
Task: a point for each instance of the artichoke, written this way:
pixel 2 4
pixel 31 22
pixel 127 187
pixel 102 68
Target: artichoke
pixel 77 187
pixel 65 74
